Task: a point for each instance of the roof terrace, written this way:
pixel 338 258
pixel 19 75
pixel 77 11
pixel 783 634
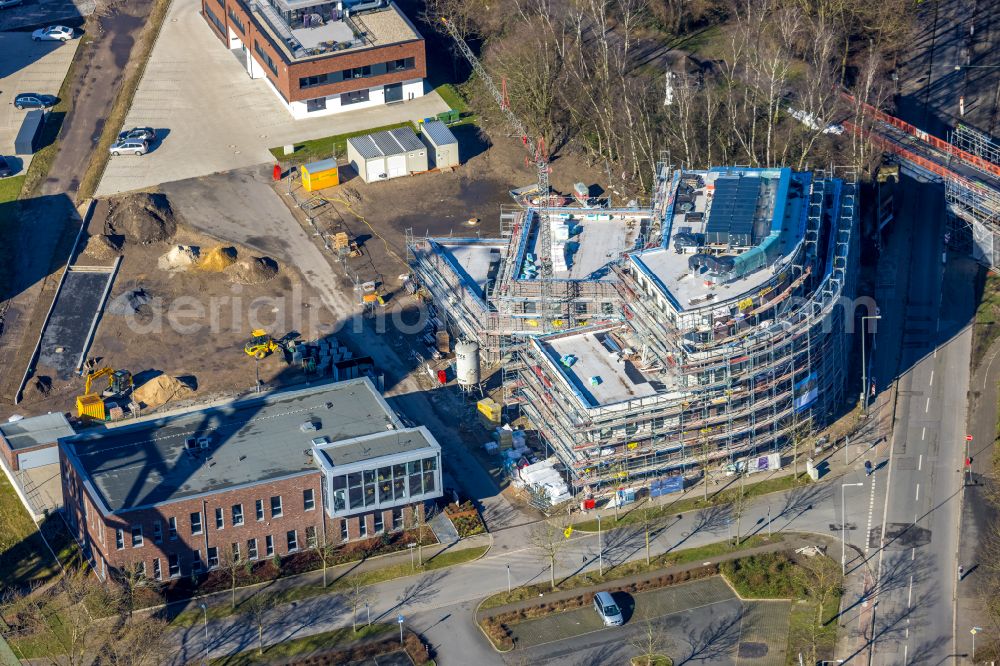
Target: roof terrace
pixel 588 239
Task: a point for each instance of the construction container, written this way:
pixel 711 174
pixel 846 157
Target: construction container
pixel 490 409
pixel 91 405
pixel 318 175
pixel 441 144
pixel 387 154
pixel 26 141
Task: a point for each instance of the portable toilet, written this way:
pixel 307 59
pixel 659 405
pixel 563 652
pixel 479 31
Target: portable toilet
pixel 441 143
pixel 317 175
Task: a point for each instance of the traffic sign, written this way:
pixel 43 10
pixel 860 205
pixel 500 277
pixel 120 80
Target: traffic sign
pixel 399 619
pixel 968 438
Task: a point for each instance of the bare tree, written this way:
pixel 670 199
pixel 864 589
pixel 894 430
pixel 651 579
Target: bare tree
pixel 357 595
pixel 549 536
pixel 138 641
pixel 651 643
pixel 132 577
pixel 256 608
pixel 739 505
pixel 422 516
pixel 232 563
pixel 326 553
pixel 822 581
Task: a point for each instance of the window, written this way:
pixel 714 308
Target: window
pixel 362 527
pixel 384 484
pixel 237 512
pixel 581 308
pixel 358 72
pixel 157 531
pixel 348 98
pixel 173 565
pixel 172 528
pixel 355 493
pixel 416 486
pixel 400 65
pixel 316 104
pixel 369 475
pixel 269 545
pixel 236 551
pixel 220 519
pixel 196 564
pixel 397 519
pixel 119 539
pixel 399 482
pixel 308 499
pixel 379 522
pixel 215 21
pixel 343 530
pixel 260 510
pixel 235 20
pixel 529 307
pixel 140 568
pixel 429 465
pixel 293 541
pixel 213 557
pixel 157 574
pixel 252 549
pixel 313 81
pixel 263 56
pixel 339 493
pixel 137 536
pixel 607 308
pixel 196 522
pixel 276 506
pixel 311 540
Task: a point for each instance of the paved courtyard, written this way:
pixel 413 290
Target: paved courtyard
pixel 213 117
pixel 27 66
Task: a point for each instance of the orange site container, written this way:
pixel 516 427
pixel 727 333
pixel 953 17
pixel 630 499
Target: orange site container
pixel 317 175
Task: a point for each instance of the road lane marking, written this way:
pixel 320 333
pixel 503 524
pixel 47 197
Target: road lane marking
pixel 932 378
pixel 920 460
pixel 923 432
pixel 927 406
pixel 917 498
pixel 913 553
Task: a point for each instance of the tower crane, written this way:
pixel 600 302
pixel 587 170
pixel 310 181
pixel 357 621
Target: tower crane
pixel 537 155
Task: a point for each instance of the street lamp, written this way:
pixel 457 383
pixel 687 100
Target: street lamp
pixel 411 546
pixel 864 362
pixel 508 580
pixel 204 609
pixel 961 67
pixel 843 527
pixel 600 547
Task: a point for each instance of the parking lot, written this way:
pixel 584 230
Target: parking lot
pixel 27 66
pixel 213 117
pixel 699 622
pixel 33 13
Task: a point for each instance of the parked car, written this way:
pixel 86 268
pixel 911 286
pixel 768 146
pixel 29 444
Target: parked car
pixel 129 147
pixel 606 607
pixel 34 101
pixel 141 133
pixel 53 33
pixel 5 168
pixel 4 4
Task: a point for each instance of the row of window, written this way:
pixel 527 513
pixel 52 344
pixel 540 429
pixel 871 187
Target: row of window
pixel 215 20
pixel 235 517
pixel 235 20
pixel 391 483
pixel 266 58
pixel 364 72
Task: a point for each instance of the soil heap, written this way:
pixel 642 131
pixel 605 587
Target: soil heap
pixel 141 218
pixel 257 270
pixel 132 302
pixel 38 388
pixel 102 247
pixel 178 258
pixel 217 259
pixel 161 390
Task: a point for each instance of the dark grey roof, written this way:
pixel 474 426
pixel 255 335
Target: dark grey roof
pixel 438 133
pixel 378 446
pixel 45 429
pixel 734 207
pixel 250 441
pixel 386 143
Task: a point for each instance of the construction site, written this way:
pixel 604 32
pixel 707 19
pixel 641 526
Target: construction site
pixel 703 328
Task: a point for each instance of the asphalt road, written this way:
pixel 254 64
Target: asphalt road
pixel 924 340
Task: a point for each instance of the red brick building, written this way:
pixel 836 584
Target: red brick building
pixel 270 475
pixel 323 57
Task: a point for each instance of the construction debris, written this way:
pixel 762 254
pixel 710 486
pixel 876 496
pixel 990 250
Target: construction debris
pixel 141 218
pixel 178 258
pixel 38 388
pixel 217 259
pixel 161 390
pixel 132 302
pixel 257 270
pixel 102 247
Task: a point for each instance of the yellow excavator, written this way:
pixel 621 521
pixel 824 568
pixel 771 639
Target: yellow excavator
pixel 261 344
pixel 92 404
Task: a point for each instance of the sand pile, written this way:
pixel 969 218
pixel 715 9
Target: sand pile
pixel 217 259
pixel 132 302
pixel 178 258
pixel 38 388
pixel 257 270
pixel 102 247
pixel 161 390
pixel 141 218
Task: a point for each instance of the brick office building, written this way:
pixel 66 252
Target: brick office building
pixel 269 475
pixel 323 57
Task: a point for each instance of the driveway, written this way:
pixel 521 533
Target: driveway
pixel 214 118
pixel 27 66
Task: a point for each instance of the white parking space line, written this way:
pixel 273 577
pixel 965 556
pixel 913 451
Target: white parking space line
pixel 927 406
pixel 917 498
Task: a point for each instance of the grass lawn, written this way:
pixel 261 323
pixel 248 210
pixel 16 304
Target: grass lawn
pixel 987 326
pixel 301 647
pixel 636 515
pixel 327 147
pixel 452 98
pixel 586 579
pixel 23 555
pixel 10 188
pixel 193 616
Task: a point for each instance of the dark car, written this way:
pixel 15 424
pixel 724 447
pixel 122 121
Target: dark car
pixel 140 133
pixel 5 169
pixel 34 101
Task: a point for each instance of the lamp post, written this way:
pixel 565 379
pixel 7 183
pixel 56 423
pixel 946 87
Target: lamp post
pixel 843 527
pixel 204 610
pixel 411 546
pixel 864 363
pixel 600 547
pixel 768 521
pixel 508 580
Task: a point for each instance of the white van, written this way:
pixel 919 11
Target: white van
pixel 606 607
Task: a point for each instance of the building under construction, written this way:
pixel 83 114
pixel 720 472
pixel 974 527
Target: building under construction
pixel 709 326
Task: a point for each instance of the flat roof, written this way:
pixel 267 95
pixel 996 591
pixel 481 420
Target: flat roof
pixel 596 355
pixel 386 143
pixel 250 441
pixel 37 430
pixel 596 238
pixel 438 133
pixel 473 261
pixel 777 226
pixel 379 445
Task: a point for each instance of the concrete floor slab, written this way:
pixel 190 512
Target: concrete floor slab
pixel 43 488
pixel 27 66
pixel 214 118
pixel 66 333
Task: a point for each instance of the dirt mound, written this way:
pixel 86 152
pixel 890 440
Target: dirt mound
pixel 178 258
pixel 102 247
pixel 132 302
pixel 217 259
pixel 161 390
pixel 38 388
pixel 257 270
pixel 142 218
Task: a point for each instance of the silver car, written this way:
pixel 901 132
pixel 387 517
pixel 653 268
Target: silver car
pixel 606 607
pixel 129 147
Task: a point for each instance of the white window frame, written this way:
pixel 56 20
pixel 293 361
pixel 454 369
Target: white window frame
pixel 292 540
pixel 157 572
pixel 281 510
pixel 157 531
pixel 119 538
pixel 269 545
pixel 209 558
pixel 201 523
pixel 170 567
pixel 310 503
pixel 133 531
pixel 220 518
pixel 259 508
pixel 172 528
pixel 234 515
pixel 252 549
